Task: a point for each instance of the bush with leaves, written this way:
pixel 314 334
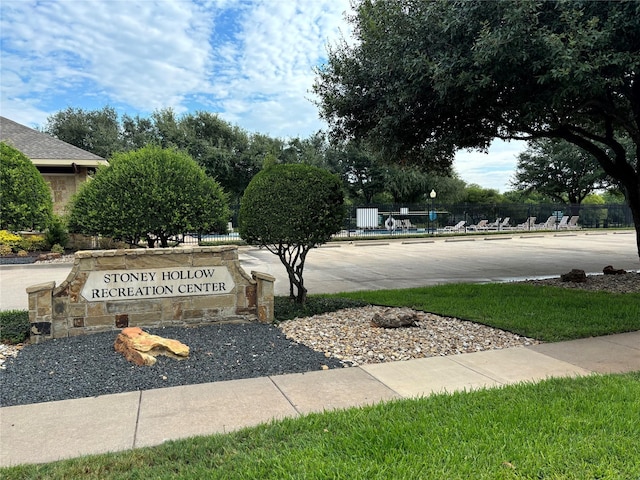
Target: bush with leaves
pixel 10 241
pixel 25 198
pixel 56 233
pixel 290 209
pixel 32 243
pixel 14 326
pixel 287 309
pixel 57 248
pixel 149 194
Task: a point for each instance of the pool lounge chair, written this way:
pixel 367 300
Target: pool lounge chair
pixel 550 224
pixel 504 225
pixel 564 221
pixel 458 227
pixel 573 223
pixel 407 225
pixel 500 225
pixel 528 224
pixel 495 225
pixel 481 225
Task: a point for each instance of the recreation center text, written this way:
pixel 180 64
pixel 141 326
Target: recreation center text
pixel 154 283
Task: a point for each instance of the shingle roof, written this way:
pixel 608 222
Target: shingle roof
pixel 43 149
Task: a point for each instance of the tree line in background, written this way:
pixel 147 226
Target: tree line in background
pixel 234 156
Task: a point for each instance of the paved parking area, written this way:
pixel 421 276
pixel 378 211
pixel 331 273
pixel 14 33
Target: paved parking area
pixel 398 263
pixel 413 262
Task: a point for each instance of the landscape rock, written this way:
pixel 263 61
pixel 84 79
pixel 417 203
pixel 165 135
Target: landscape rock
pixel 575 275
pixel 609 270
pixel 44 257
pixel 394 318
pixel 142 348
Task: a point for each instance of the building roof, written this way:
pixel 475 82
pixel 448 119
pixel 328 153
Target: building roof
pixel 43 149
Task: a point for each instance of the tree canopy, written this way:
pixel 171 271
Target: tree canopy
pixel 149 194
pixel 559 170
pixel 228 153
pixel 25 198
pixel 435 76
pixel 96 131
pixel 290 209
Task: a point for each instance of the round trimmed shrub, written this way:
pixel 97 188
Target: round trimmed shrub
pixel 25 198
pixel 150 194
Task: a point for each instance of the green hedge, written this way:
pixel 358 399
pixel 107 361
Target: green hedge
pixel 287 309
pixel 14 326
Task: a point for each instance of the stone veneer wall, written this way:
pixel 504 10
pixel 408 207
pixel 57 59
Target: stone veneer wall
pixel 63 311
pixel 63 186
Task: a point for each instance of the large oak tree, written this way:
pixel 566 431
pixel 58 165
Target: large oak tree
pixel 560 170
pixel 424 78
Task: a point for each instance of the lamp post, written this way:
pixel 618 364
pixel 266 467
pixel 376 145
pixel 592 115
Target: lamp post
pixel 432 196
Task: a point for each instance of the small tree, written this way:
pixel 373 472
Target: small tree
pixel 151 194
pixel 289 209
pixel 56 233
pixel 25 199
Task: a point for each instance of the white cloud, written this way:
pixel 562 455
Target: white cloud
pixel 145 54
pixel 493 169
pixel 267 73
pixel 251 61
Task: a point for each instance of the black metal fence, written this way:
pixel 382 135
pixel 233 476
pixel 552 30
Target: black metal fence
pixel 432 217
pixel 381 220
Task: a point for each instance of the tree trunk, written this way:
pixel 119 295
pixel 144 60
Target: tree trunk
pixel 633 200
pixel 297 291
pixel 575 208
pixel 294 264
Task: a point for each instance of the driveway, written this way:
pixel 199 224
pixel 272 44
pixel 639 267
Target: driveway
pixel 372 265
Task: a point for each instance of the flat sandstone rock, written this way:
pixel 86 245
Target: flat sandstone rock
pixel 394 318
pixel 142 348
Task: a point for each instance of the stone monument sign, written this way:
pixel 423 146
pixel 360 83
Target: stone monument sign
pixel 114 289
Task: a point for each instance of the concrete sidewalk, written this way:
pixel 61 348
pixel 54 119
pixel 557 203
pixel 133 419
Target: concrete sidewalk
pixel 56 430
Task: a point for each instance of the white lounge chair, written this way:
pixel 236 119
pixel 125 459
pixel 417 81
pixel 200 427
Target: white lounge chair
pixel 504 225
pixel 455 228
pixel 528 224
pixel 481 225
pixel 407 225
pixel 495 225
pixel 573 223
pixel 550 224
pixel 564 222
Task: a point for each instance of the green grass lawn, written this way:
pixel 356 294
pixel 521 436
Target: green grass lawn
pixel 559 429
pixel 546 313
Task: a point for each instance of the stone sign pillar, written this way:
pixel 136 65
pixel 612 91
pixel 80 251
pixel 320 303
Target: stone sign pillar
pixel 114 289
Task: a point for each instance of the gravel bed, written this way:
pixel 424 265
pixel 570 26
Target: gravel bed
pixel 349 336
pixel 624 283
pixel 87 366
pixel 16 260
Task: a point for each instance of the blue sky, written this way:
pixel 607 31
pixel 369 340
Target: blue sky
pixel 250 61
